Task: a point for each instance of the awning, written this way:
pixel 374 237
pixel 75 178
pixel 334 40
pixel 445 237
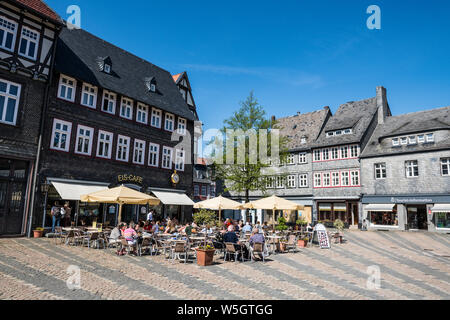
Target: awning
pixel 172 198
pixel 324 206
pixel 340 207
pixel 380 207
pixel 444 207
pixel 73 191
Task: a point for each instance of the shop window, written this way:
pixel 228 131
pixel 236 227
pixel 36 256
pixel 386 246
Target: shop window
pixel 325 212
pixel 443 219
pixel 384 218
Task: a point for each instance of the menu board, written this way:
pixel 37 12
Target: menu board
pixel 322 236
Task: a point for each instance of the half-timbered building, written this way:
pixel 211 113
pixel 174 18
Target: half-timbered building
pixel 28 32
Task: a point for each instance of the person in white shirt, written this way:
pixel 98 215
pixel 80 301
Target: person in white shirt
pixel 247 227
pixel 150 216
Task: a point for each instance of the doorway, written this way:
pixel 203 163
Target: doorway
pixel 417 217
pixel 13 183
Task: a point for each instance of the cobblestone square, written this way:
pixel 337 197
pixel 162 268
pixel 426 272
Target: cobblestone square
pixel 412 266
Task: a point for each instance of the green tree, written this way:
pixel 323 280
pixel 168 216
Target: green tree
pixel 246 174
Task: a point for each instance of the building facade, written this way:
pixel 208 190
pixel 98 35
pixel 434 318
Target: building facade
pixel 406 173
pixel 28 33
pixel 204 185
pixel 113 119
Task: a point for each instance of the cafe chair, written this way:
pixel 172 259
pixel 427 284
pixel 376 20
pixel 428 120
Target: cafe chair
pixel 292 243
pixel 179 249
pixel 146 245
pixel 126 246
pixel 258 248
pixel 231 250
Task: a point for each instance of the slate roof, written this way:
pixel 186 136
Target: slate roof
pixel 40 7
pixel 307 124
pixel 356 115
pixel 80 53
pixel 411 123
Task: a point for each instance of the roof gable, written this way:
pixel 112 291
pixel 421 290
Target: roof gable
pixel 40 7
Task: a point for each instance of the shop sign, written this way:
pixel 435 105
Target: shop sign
pixel 130 178
pixel 322 236
pixel 411 200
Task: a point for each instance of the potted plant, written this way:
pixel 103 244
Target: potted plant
pixel 303 243
pixel 38 232
pixel 339 225
pixel 205 255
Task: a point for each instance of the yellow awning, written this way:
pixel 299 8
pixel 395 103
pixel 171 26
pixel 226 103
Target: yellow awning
pixel 273 203
pixel 120 195
pixel 219 203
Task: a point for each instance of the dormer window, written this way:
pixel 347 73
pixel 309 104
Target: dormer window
pixel 105 64
pixel 338 133
pixel 412 140
pixel 348 131
pixel 430 137
pixel 404 140
pixel 395 142
pixel 303 140
pixel 107 68
pixel 150 83
pixel 330 134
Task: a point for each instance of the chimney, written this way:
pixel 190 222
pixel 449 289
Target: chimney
pixel 382 104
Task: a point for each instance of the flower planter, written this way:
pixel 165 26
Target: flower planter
pixel 302 243
pixel 38 233
pixel 205 257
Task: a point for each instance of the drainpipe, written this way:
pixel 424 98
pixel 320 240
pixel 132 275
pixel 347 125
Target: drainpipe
pixel 41 133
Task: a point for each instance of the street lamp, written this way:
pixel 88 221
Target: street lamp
pixel 45 187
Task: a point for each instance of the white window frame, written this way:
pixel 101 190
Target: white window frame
pixel 167 156
pixel 152 151
pixel 412 140
pixel 67 86
pixel 290 181
pixel 67 132
pixel 8 26
pixel 355 174
pixel 279 182
pixel 127 105
pixel 139 147
pixel 27 35
pixel 344 152
pixel 421 138
pixel 270 182
pixel 89 139
pixel 395 142
pixel 303 180
pixel 430 137
pixel 105 141
pixel 445 163
pixel 126 141
pixel 380 171
pixel 302 158
pixel 169 118
pixel 182 126
pixel 142 111
pixel 156 114
pixel 326 152
pixel 335 153
pixel 410 165
pixel 345 178
pixel 91 92
pixel 404 141
pixel 317 180
pixel 317 155
pixel 354 151
pixel 7 96
pixel 111 98
pixel 290 160
pixel 326 179
pixel 335 175
pixel 180 159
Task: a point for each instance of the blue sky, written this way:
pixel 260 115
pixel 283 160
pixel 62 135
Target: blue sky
pixel 295 55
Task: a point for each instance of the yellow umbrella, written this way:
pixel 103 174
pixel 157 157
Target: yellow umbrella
pixel 218 203
pixel 273 203
pixel 120 195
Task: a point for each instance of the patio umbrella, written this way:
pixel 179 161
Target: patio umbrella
pixel 218 203
pixel 273 203
pixel 120 195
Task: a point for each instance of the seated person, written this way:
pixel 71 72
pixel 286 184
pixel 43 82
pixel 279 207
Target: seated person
pixel 170 228
pixel 155 228
pixel 247 227
pixel 116 233
pixel 230 236
pixel 130 234
pixel 207 229
pixel 256 237
pixel 148 226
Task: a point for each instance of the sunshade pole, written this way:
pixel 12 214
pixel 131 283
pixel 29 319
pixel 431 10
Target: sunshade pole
pixel 120 212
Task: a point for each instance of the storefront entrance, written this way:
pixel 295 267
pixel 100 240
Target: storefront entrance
pixel 417 217
pixel 13 181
